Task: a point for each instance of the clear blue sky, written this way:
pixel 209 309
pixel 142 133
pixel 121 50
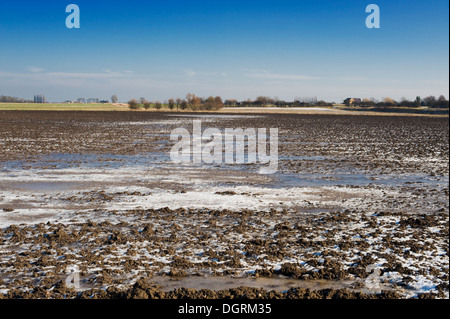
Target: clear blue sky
pixel 236 49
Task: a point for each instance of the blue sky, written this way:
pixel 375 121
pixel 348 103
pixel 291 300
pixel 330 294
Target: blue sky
pixel 235 49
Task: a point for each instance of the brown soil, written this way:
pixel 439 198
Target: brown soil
pixel 405 235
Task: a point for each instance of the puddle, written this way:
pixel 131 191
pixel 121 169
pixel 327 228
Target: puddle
pixel 45 186
pixel 283 180
pixel 161 160
pixel 277 283
pixel 64 161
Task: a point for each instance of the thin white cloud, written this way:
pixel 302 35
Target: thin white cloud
pixel 352 78
pixel 190 73
pixel 254 71
pixel 264 75
pixel 35 69
pixel 69 80
pixel 91 81
pixel 76 75
pixel 109 71
pixel 241 84
pixel 37 74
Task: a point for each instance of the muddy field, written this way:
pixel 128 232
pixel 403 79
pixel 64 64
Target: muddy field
pixel 358 209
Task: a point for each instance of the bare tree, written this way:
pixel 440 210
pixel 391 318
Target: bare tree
pixel 133 104
pixel 193 101
pixel 158 105
pixel 366 102
pixel 405 102
pixel 263 100
pixel 184 105
pixel 189 98
pixel 171 104
pixel 231 102
pixel 218 103
pixel 114 99
pixel 389 101
pixel 209 103
pixel 430 100
pixel 147 105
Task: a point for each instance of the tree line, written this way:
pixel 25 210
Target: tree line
pixel 13 99
pixel 191 102
pixel 429 101
pixel 264 101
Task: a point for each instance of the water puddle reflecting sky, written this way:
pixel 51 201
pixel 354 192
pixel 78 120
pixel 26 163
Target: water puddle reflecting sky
pixel 162 161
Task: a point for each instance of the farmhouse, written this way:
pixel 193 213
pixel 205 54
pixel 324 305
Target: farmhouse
pixel 351 101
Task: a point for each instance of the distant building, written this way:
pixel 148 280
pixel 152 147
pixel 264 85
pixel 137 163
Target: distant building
pixel 352 101
pixel 40 99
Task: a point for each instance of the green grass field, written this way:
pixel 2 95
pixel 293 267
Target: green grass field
pixel 60 107
pixel 339 109
pixel 79 107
